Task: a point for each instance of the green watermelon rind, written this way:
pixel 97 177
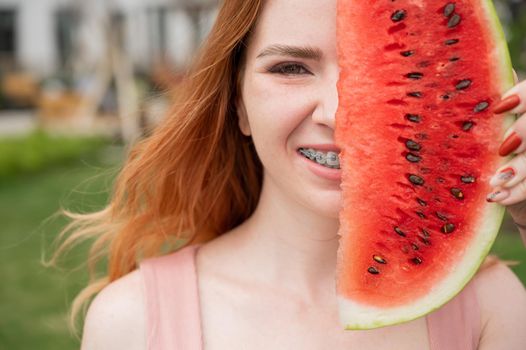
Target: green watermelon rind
pixel 490 222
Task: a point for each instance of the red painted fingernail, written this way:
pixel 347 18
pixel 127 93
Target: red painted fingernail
pixel 506 174
pixel 507 104
pixel 510 144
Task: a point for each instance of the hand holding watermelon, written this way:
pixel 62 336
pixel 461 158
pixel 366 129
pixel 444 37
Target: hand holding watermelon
pixel 509 179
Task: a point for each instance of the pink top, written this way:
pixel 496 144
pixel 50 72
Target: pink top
pixel 173 315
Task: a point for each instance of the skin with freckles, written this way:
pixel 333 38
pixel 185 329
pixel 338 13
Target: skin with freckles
pixel 270 282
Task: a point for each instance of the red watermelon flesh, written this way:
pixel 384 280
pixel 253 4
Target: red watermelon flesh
pixel 419 142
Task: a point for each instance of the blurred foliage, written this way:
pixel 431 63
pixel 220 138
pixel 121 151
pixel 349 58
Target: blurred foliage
pixel 513 16
pixel 34 299
pixel 27 154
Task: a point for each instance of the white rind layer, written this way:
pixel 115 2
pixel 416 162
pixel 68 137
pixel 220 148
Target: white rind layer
pixel 354 315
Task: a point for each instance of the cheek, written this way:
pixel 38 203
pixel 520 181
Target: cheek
pixel 275 109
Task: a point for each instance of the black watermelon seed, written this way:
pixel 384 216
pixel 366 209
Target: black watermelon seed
pixel 463 84
pixel 448 228
pixel 457 193
pixel 379 259
pixel 426 170
pixel 467 179
pixel 416 260
pixel 453 21
pixel 420 214
pixel 454 58
pixel 400 232
pixel 421 136
pixel 454 136
pixel 421 202
pixel 481 106
pixel 398 15
pixel 441 216
pixel 417 94
pixel 412 145
pixel 424 240
pixel 467 126
pixel 413 158
pixel 423 64
pixel 425 233
pixel 407 53
pixel 449 9
pixel 416 180
pixel 450 42
pixel 415 75
pixel 445 97
pixel 424 237
pixel 373 270
pixel 414 246
pixel 415 118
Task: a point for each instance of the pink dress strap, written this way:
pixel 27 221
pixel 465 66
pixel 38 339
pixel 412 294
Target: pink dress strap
pixel 457 324
pixel 173 313
pixel 172 302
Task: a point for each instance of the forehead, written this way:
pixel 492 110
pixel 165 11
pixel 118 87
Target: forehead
pixel 297 22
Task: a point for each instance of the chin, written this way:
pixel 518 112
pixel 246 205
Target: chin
pixel 328 205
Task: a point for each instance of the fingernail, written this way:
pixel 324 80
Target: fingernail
pixel 502 177
pixel 510 144
pixel 507 104
pixel 497 196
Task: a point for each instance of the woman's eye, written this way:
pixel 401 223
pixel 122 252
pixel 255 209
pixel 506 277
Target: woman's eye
pixel 289 69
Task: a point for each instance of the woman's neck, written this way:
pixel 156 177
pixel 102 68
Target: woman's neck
pixel 289 245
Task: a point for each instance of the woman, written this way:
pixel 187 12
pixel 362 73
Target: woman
pixel 225 170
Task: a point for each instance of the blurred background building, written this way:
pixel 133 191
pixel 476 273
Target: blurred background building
pixel 47 36
pixel 94 66
pixel 68 62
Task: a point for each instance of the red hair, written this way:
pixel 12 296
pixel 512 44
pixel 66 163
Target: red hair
pixel 196 177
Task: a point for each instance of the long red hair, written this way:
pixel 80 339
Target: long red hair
pixel 195 177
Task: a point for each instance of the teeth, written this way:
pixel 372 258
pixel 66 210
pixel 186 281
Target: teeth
pixel 333 159
pixel 311 154
pixel 320 158
pixel 329 159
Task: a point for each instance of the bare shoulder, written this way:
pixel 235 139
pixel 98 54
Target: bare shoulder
pixel 502 300
pixel 116 317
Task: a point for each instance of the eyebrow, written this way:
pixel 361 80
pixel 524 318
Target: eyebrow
pixel 306 52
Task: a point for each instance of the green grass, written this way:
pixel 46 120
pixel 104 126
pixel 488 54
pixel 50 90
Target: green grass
pixel 509 246
pixel 34 299
pixel 38 150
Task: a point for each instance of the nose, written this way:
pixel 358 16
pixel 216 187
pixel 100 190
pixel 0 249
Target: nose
pixel 327 103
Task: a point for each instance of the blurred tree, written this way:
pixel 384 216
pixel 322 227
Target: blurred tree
pixel 115 67
pixel 513 16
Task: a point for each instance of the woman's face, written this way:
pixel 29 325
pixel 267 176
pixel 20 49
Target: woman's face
pixel 289 99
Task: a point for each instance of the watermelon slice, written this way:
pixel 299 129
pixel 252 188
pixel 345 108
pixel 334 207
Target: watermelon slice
pixel 419 144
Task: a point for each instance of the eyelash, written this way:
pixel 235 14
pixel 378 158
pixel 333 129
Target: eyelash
pixel 280 69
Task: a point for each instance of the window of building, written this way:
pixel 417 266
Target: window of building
pixel 7 34
pixel 66 25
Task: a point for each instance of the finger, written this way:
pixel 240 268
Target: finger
pixel 512 195
pixel 513 100
pixel 514 138
pixel 511 173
